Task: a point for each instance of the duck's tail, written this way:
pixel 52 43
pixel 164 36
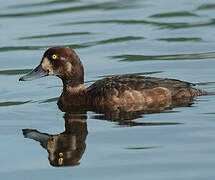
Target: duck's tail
pixel 199 92
pixel 210 93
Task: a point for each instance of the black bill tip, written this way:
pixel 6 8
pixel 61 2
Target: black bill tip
pixel 21 79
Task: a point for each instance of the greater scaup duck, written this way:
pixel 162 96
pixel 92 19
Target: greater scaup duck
pixel 116 90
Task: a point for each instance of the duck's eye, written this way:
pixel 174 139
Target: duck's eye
pixel 54 56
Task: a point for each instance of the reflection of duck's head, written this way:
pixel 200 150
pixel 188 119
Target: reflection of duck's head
pixel 67 148
pixel 116 90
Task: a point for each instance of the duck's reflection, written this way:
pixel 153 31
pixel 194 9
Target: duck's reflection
pixel 126 115
pixel 68 147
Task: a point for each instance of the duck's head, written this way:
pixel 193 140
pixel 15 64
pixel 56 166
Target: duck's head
pixel 59 61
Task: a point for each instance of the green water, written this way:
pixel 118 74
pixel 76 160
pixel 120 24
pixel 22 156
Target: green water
pixel 169 38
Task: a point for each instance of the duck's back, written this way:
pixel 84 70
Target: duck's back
pixel 139 89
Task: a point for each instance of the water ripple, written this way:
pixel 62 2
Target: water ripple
pixel 13 103
pixel 174 14
pixel 19 48
pixel 32 48
pixel 181 39
pixel 14 71
pixel 98 6
pixel 128 57
pixel 27 5
pixel 128 21
pixel 55 35
pixel 55 99
pixel 205 83
pixel 206 7
pixel 73 46
pixel 118 39
pixel 141 148
pixel 168 25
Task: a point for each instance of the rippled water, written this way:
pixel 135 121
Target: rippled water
pixel 163 39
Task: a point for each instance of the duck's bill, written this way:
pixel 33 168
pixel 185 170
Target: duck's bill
pixel 37 73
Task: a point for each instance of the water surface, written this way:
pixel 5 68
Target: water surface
pixel 162 39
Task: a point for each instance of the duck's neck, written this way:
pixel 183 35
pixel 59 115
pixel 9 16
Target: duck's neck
pixel 73 94
pixel 73 87
pixel 69 84
pixel 74 90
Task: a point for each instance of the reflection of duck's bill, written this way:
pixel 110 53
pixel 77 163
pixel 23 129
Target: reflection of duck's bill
pixel 37 73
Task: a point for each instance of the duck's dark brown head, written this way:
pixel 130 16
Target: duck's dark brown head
pixel 62 62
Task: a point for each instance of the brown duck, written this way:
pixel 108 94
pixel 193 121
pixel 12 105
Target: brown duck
pixel 111 91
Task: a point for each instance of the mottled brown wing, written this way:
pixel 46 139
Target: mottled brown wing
pixel 117 84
